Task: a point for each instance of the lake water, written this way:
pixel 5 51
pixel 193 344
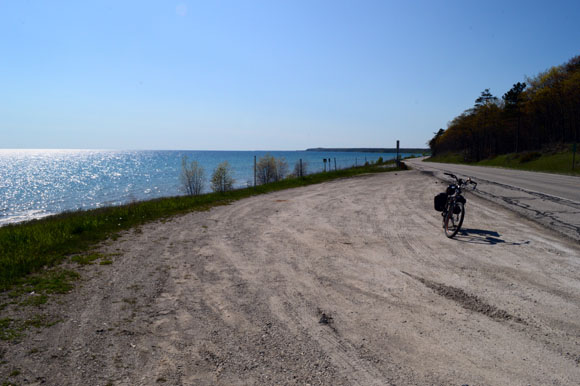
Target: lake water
pixel 38 183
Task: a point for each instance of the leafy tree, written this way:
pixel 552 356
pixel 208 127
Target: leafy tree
pixel 542 112
pixel 271 169
pixel 513 97
pixel 221 179
pixel 433 142
pixel 192 177
pixel 513 101
pixel 485 99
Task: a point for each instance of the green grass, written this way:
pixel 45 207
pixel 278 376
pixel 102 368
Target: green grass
pixel 546 161
pixel 86 259
pixel 13 329
pixel 35 245
pixel 8 330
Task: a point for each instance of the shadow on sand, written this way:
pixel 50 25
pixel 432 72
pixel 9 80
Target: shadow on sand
pixel 481 236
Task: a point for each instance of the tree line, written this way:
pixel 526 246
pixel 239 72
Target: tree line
pixel 540 112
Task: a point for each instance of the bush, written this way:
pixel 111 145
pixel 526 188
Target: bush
pixel 271 169
pixel 530 157
pixel 221 179
pixel 192 177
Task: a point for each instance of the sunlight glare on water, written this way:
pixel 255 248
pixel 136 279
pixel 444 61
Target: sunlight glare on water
pixel 38 183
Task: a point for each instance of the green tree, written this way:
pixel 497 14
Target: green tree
pixel 513 101
pixel 433 142
pixel 221 179
pixel 271 169
pixel 485 99
pixel 542 112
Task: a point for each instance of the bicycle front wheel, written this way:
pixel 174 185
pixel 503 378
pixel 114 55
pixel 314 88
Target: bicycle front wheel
pixel 454 219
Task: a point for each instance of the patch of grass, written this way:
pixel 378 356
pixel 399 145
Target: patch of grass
pixel 12 329
pixel 9 329
pixel 549 161
pixel 56 281
pixel 38 321
pixel 531 156
pixel 36 287
pixel 34 300
pixel 106 262
pixel 29 247
pixel 15 373
pixel 86 259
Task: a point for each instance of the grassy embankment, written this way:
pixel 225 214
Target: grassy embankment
pixel 549 161
pixel 29 247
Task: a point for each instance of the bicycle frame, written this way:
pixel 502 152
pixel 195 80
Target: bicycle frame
pixel 454 211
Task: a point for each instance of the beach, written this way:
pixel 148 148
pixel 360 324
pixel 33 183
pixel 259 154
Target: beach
pixel 341 283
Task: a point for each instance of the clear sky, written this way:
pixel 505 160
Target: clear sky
pixel 271 74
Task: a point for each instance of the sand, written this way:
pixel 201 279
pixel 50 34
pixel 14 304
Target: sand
pixel 350 282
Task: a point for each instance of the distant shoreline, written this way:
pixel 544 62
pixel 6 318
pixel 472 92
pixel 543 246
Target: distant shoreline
pixel 371 150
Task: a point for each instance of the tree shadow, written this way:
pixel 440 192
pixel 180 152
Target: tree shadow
pixel 481 236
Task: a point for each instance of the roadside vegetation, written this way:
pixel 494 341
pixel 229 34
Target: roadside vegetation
pixel 521 129
pixel 221 178
pixel 271 169
pixel 40 245
pixel 558 160
pixel 192 177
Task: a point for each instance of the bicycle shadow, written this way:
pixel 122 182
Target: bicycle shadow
pixel 481 236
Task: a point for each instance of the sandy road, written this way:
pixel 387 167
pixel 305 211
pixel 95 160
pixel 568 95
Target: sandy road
pixel 349 282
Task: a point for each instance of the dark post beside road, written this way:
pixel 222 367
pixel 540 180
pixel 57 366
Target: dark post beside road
pixel 398 160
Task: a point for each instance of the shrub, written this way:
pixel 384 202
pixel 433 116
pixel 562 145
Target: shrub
pixel 271 169
pixel 221 179
pixel 192 177
pixel 530 157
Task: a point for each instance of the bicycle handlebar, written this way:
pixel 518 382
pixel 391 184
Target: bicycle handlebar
pixel 460 181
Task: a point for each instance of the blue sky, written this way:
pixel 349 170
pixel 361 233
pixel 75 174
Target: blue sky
pixel 276 75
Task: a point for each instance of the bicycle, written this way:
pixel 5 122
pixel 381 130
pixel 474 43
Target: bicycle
pixel 451 204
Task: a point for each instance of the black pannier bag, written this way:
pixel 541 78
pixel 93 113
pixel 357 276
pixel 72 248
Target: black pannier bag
pixel 440 201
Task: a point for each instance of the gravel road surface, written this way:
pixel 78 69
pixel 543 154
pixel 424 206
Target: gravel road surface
pixel 553 200
pixel 350 282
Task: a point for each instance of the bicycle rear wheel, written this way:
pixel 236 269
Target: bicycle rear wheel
pixel 454 219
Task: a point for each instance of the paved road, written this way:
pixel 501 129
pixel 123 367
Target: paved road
pixel 556 185
pixel 550 199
